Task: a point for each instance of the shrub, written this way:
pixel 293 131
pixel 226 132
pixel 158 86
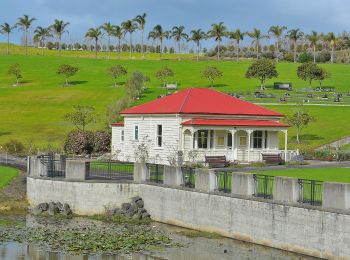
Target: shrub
pixel 323 56
pixel 79 142
pixel 14 147
pixel 289 57
pixel 102 142
pixel 305 57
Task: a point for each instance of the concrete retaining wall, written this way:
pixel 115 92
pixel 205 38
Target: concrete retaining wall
pixel 303 230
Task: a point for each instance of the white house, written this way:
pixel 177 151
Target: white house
pixel 198 122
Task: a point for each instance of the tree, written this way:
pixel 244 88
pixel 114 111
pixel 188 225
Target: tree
pixel 257 36
pixel 299 119
pixel 135 85
pixel 141 21
pixel 218 31
pixel 197 36
pixel 119 34
pixel 67 71
pixel 95 34
pixel 159 33
pixel 163 74
pixel 320 74
pixel 41 34
pixel 178 34
pixel 331 38
pixel 211 73
pixel 116 72
pixel 294 35
pixel 277 32
pixel 16 71
pixel 262 69
pixel 7 29
pixel 109 30
pixel 130 27
pixel 81 117
pixel 238 36
pixel 308 71
pixel 313 39
pixel 24 24
pixel 59 28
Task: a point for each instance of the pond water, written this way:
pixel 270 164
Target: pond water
pixel 193 248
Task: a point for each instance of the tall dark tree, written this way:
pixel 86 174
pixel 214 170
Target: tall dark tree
pixel 109 30
pixel 294 35
pixel 59 28
pixel 141 21
pixel 7 29
pixel 218 32
pixel 94 34
pixel 178 34
pixel 197 36
pixel 129 26
pixel 238 36
pixel 24 23
pixel 41 35
pixel 159 33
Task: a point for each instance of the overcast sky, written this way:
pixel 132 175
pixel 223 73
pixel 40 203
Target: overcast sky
pixel 319 15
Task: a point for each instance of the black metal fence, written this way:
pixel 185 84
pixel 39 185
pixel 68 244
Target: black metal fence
pixel 263 186
pixel 188 176
pixel 54 168
pixel 156 173
pixel 310 192
pixel 110 170
pixel 224 181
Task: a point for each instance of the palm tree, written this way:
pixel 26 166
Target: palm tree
pixel 178 34
pixel 7 29
pixel 218 31
pixel 41 34
pixel 238 36
pixel 59 28
pixel 257 36
pixel 159 33
pixel 141 21
pixel 94 34
pixel 331 38
pixel 130 27
pixel 313 39
pixel 119 34
pixel 294 35
pixel 24 24
pixel 197 36
pixel 277 32
pixel 109 30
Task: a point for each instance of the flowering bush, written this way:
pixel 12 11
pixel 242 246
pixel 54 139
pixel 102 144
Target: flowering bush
pixel 79 142
pixel 102 142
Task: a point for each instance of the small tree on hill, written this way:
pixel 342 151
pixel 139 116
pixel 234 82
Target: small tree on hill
pixel 16 71
pixel 67 71
pixel 299 119
pixel 311 71
pixel 163 74
pixel 321 74
pixel 211 73
pixel 116 72
pixel 81 117
pixel 262 69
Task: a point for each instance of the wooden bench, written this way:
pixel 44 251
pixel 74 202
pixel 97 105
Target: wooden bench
pixel 216 161
pixel 272 158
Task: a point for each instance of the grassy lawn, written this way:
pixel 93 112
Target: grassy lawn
pixel 7 174
pixel 346 147
pixel 320 174
pixel 33 112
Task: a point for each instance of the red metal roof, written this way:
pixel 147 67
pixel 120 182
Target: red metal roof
pixel 118 124
pixel 209 122
pixel 200 101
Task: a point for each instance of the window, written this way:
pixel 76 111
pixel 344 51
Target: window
pixel 257 139
pixel 229 140
pixel 243 140
pixel 203 139
pixel 159 136
pixel 136 132
pixel 122 136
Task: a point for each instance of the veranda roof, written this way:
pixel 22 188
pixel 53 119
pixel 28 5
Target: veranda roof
pixel 224 122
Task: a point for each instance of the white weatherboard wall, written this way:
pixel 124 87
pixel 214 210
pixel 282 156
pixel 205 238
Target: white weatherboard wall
pixel 307 231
